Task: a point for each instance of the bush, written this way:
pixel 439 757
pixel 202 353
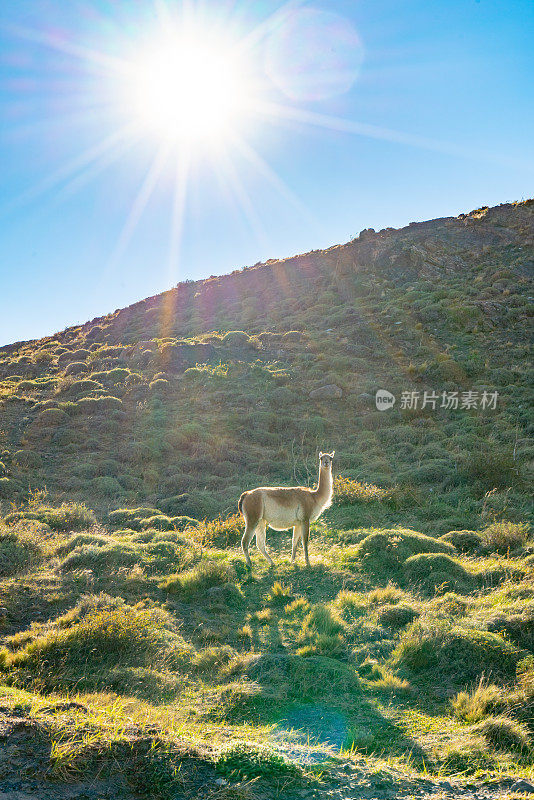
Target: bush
pixel 505 733
pixel 76 368
pixel 158 522
pixel 198 580
pixel 279 595
pixel 81 539
pixel 106 485
pixel 212 658
pixel 397 616
pixel 384 552
pixel 96 405
pixel 464 541
pixel 18 551
pixel 131 517
pixel 8 488
pixel 101 558
pixel 475 705
pixel 236 339
pixel 221 532
pixel 495 468
pixel 245 761
pixel 432 572
pixel 27 459
pixel 388 594
pixel 466 761
pixel 351 604
pixel 504 536
pixel 347 490
pixel 80 387
pixel 67 517
pixel 452 656
pixel 321 633
pixel 50 418
pixel 519 628
pixel 98 633
pixel 296 678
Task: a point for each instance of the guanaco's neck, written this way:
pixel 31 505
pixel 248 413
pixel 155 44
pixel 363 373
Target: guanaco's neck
pixel 324 485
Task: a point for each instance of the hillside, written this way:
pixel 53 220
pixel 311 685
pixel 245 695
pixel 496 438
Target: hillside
pixel 138 656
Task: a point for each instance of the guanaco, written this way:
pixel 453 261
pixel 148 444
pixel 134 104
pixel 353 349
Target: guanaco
pixel 282 508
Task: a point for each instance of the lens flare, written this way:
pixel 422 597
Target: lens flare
pixel 313 55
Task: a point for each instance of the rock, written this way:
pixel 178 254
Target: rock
pixel 326 392
pixel 522 786
pixel 221 782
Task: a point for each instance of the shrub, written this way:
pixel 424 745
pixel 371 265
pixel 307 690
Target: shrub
pixel 97 633
pixel 50 417
pixel 67 517
pixel 101 557
pixel 384 552
pixel 466 761
pixel 180 523
pixel 397 616
pixel 81 539
pixel 388 594
pixel 453 656
pixel 241 761
pixel 18 551
pixel 198 580
pixel 279 595
pixel 477 704
pixel 159 522
pixel 504 536
pixel 106 485
pixel 347 490
pixel 8 488
pixel 321 633
pixel 96 405
pixel 495 468
pixel 112 376
pixel 76 368
pixel 296 678
pixel 464 541
pixel 431 572
pixel 236 339
pixel 27 459
pixel 132 517
pixel 517 627
pixel 221 532
pixel 505 733
pixel 212 658
pixel 323 619
pixel 351 604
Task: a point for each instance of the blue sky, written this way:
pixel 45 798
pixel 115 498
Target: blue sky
pixel 426 112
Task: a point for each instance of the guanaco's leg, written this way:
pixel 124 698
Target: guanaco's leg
pixel 250 529
pixel 261 531
pixel 305 536
pixel 297 533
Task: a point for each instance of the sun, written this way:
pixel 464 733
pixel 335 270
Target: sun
pixel 186 88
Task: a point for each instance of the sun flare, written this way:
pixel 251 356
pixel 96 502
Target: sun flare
pixel 186 89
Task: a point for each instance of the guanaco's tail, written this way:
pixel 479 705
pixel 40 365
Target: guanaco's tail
pixel 240 503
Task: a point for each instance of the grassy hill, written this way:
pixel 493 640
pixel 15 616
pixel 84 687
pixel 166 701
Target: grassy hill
pixel 138 649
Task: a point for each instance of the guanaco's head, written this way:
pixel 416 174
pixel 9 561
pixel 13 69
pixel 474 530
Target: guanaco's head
pixel 325 460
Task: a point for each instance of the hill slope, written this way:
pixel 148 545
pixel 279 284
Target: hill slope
pixel 162 403
pixel 139 658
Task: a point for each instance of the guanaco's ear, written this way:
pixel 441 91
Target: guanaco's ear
pixel 332 454
pixel 321 455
